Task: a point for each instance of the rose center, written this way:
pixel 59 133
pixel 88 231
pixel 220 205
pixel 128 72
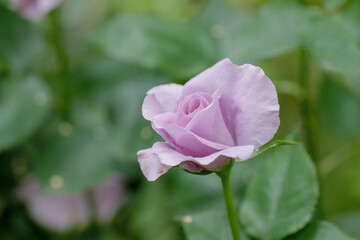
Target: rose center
pixel 190 106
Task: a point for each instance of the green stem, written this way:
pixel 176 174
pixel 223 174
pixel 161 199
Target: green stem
pixel 224 174
pixel 62 86
pixel 306 105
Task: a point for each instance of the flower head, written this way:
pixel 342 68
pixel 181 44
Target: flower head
pixel 34 9
pixel 225 112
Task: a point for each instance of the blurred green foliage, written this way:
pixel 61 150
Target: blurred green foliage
pixel 116 50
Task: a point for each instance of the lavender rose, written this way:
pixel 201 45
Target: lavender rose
pixel 34 9
pixel 61 213
pixel 227 111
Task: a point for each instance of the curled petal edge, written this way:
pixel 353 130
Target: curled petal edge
pixel 157 160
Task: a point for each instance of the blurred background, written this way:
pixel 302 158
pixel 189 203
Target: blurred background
pixel 73 77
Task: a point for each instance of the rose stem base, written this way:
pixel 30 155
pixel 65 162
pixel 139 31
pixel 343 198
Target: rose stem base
pixel 224 174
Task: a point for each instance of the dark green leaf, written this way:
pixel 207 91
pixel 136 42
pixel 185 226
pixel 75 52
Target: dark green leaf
pixel 331 46
pixel 156 43
pixel 20 43
pixel 350 17
pixel 151 218
pixel 74 162
pixel 339 109
pixel 212 225
pixel 349 223
pixel 274 30
pixel 282 197
pixel 23 107
pixel 321 231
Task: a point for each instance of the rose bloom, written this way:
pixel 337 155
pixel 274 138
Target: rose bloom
pixel 61 213
pixel 34 9
pixel 227 111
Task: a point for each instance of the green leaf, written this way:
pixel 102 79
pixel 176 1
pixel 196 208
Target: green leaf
pixel 331 46
pixel 321 230
pixel 339 109
pixel 333 4
pixel 211 225
pixel 151 217
pixel 220 23
pixel 156 43
pixel 282 197
pixel 276 143
pixel 350 17
pixel 23 106
pixel 20 43
pixel 72 163
pixel 266 34
pixel 349 223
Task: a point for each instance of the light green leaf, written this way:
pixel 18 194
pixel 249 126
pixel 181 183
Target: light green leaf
pixel 73 163
pixel 212 225
pixel 350 17
pixel 331 46
pixel 321 230
pixel 339 109
pixel 349 223
pixel 333 4
pixel 282 197
pixel 151 217
pixel 23 107
pixel 20 43
pixel 156 43
pixel 274 30
pixel 220 23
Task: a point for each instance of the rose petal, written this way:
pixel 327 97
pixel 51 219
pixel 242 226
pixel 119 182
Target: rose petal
pixel 150 164
pixel 171 157
pixel 161 99
pixel 209 124
pixel 34 9
pixel 251 106
pixel 188 142
pixel 57 212
pixel 248 101
pixel 216 160
pixel 211 79
pixel 109 196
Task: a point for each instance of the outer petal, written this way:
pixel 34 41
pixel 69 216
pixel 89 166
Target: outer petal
pixel 150 163
pixel 211 79
pixel 170 157
pixel 250 106
pixel 161 99
pixel 249 101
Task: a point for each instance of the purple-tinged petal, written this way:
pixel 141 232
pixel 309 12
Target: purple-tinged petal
pixel 189 143
pixel 161 99
pixel 250 105
pixel 59 213
pixel 209 124
pixel 213 162
pixel 249 101
pixel 216 161
pixel 211 79
pixel 34 9
pixel 191 166
pixel 109 196
pixel 150 163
